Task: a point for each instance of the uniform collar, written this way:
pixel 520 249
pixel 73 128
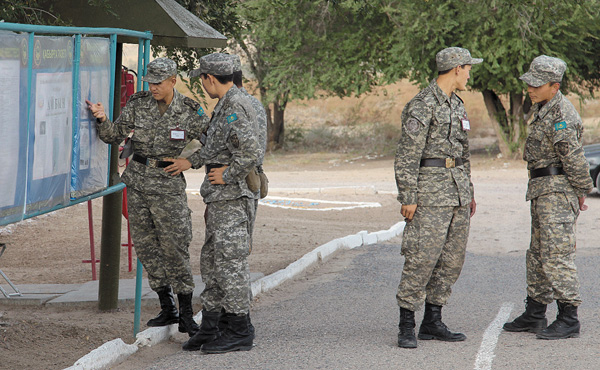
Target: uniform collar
pixel 543 111
pixel 231 92
pixel 175 105
pixel 439 94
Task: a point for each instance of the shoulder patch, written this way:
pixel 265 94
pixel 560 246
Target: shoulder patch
pixel 232 118
pixel 412 125
pixel 560 125
pixel 200 111
pixel 139 94
pixel 562 147
pixel 235 141
pixel 192 103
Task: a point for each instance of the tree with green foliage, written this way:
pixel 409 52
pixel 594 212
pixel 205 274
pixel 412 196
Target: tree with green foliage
pixel 508 34
pixel 309 49
pixel 28 12
pixel 38 12
pixel 295 50
pixel 220 15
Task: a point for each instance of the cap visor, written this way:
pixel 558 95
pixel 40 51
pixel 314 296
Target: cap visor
pixel 530 80
pixel 476 60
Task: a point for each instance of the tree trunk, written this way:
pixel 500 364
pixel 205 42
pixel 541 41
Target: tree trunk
pixel 518 106
pixel 275 125
pixel 497 114
pixel 509 125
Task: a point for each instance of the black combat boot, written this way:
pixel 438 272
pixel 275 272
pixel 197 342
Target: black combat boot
pixel 208 332
pixel 565 326
pixel 532 320
pixel 224 322
pixel 237 337
pixel 406 336
pixel 168 312
pixel 186 315
pixel 432 326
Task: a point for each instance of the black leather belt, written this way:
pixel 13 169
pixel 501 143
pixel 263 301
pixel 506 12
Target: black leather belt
pixel 441 162
pixel 546 171
pixel 209 167
pixel 154 163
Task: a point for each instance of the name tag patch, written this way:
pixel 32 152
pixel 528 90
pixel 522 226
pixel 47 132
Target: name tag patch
pixel 466 125
pixel 560 125
pixel 232 118
pixel 177 134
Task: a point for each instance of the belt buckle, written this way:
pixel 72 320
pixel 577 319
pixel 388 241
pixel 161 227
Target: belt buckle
pixel 450 163
pixel 150 162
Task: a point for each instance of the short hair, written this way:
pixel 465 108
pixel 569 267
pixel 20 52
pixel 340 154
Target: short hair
pixel 237 78
pixel 224 79
pixel 221 79
pixel 448 70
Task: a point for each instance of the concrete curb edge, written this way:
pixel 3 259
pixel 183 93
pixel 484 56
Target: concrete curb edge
pixel 116 351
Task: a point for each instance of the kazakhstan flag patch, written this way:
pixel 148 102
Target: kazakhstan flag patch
pixel 232 118
pixel 200 111
pixel 560 125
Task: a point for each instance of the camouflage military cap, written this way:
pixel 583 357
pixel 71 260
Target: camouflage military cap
pixel 216 64
pixel 159 70
pixel 237 64
pixel 544 69
pixel 453 57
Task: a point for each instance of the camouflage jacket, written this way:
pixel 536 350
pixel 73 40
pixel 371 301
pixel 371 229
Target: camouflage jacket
pixel 232 140
pixel 555 139
pixel 152 138
pixel 261 119
pixel 432 128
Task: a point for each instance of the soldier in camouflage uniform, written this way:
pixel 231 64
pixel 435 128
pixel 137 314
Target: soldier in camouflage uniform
pixel 559 180
pixel 433 176
pixel 163 122
pixel 261 114
pixel 230 150
pixel 261 122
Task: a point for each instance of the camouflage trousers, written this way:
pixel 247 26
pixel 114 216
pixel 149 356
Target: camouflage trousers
pixel 551 270
pixel 224 257
pixel 161 229
pixel 433 245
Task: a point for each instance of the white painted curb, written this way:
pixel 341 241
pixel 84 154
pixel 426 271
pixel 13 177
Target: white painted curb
pixel 108 354
pixel 116 351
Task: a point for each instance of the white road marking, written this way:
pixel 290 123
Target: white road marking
pixel 313 204
pixel 486 355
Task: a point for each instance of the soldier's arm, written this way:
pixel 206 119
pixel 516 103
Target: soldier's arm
pixel 466 158
pixel 415 126
pixel 113 132
pixel 242 142
pixel 571 155
pixel 198 129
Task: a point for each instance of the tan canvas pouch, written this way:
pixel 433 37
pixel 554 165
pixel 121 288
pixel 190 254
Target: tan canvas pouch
pixel 253 180
pixel 264 185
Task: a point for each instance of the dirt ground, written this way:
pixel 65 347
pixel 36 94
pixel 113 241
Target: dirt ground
pixel 50 248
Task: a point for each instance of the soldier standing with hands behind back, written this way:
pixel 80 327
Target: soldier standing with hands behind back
pixel 163 122
pixel 433 176
pixel 559 180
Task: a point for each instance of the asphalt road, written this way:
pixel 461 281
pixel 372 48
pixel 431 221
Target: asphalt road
pixel 343 315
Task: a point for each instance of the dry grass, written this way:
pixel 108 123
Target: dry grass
pixel 370 124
